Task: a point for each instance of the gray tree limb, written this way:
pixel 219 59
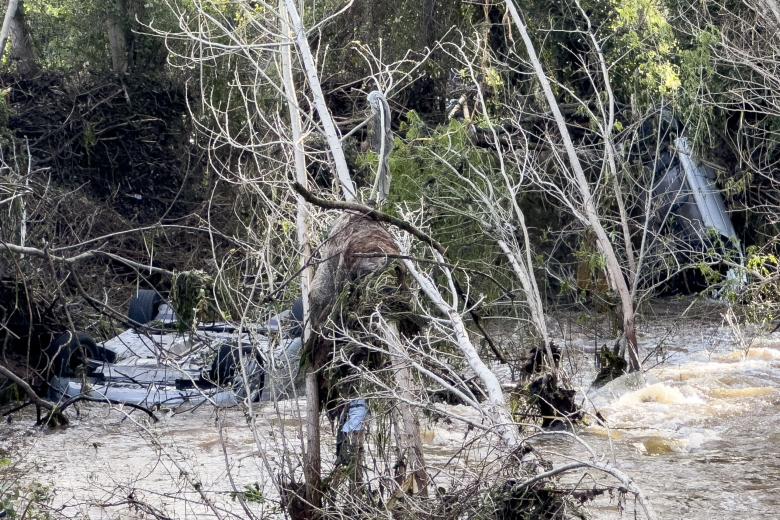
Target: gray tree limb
pixel 10 12
pixel 310 69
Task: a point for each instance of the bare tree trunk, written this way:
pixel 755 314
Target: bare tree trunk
pixel 300 172
pixel 774 7
pixel 22 50
pixel 117 28
pixel 605 245
pixel 10 12
pixel 334 143
pixel 411 459
pixel 526 277
pixel 313 465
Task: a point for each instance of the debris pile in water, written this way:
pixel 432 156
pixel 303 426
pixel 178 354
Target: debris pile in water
pixel 613 365
pixel 549 392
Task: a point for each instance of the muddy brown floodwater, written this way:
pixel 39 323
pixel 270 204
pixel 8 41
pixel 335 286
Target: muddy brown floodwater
pixel 699 434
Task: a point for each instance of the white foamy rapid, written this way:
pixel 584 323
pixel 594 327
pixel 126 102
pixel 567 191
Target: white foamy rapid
pixel 699 431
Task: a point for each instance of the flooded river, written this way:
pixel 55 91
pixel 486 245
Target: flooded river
pixel 698 433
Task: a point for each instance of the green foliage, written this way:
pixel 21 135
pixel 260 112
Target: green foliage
pixel 6 134
pixel 711 276
pixel 763 295
pixel 28 502
pixel 593 259
pixel 5 111
pixel 192 296
pixel 493 79
pixel 252 494
pixel 422 168
pixel 645 45
pixel 68 35
pixel 422 164
pixel 697 75
pixel 426 165
pixel 764 265
pixel 71 35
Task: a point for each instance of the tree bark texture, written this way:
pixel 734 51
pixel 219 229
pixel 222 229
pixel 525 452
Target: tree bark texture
pixel 117 27
pixel 411 462
pixel 22 49
pixel 329 128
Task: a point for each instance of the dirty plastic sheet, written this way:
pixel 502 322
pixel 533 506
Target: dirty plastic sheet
pixel 356 417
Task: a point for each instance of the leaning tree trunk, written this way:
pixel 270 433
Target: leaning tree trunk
pixel 496 409
pixel 589 207
pixel 328 126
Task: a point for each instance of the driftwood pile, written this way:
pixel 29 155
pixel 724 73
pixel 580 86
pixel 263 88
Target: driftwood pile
pixel 83 157
pixel 126 140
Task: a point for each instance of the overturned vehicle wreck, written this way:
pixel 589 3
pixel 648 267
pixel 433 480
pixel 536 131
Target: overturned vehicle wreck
pixel 155 364
pixel 689 205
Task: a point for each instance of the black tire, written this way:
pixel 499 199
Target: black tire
pixel 144 306
pixel 296 316
pixel 225 369
pixel 69 353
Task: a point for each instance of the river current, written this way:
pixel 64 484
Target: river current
pixel 699 433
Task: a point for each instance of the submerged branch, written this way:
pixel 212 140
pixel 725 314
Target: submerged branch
pixel 54 411
pixel 624 479
pixel 74 400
